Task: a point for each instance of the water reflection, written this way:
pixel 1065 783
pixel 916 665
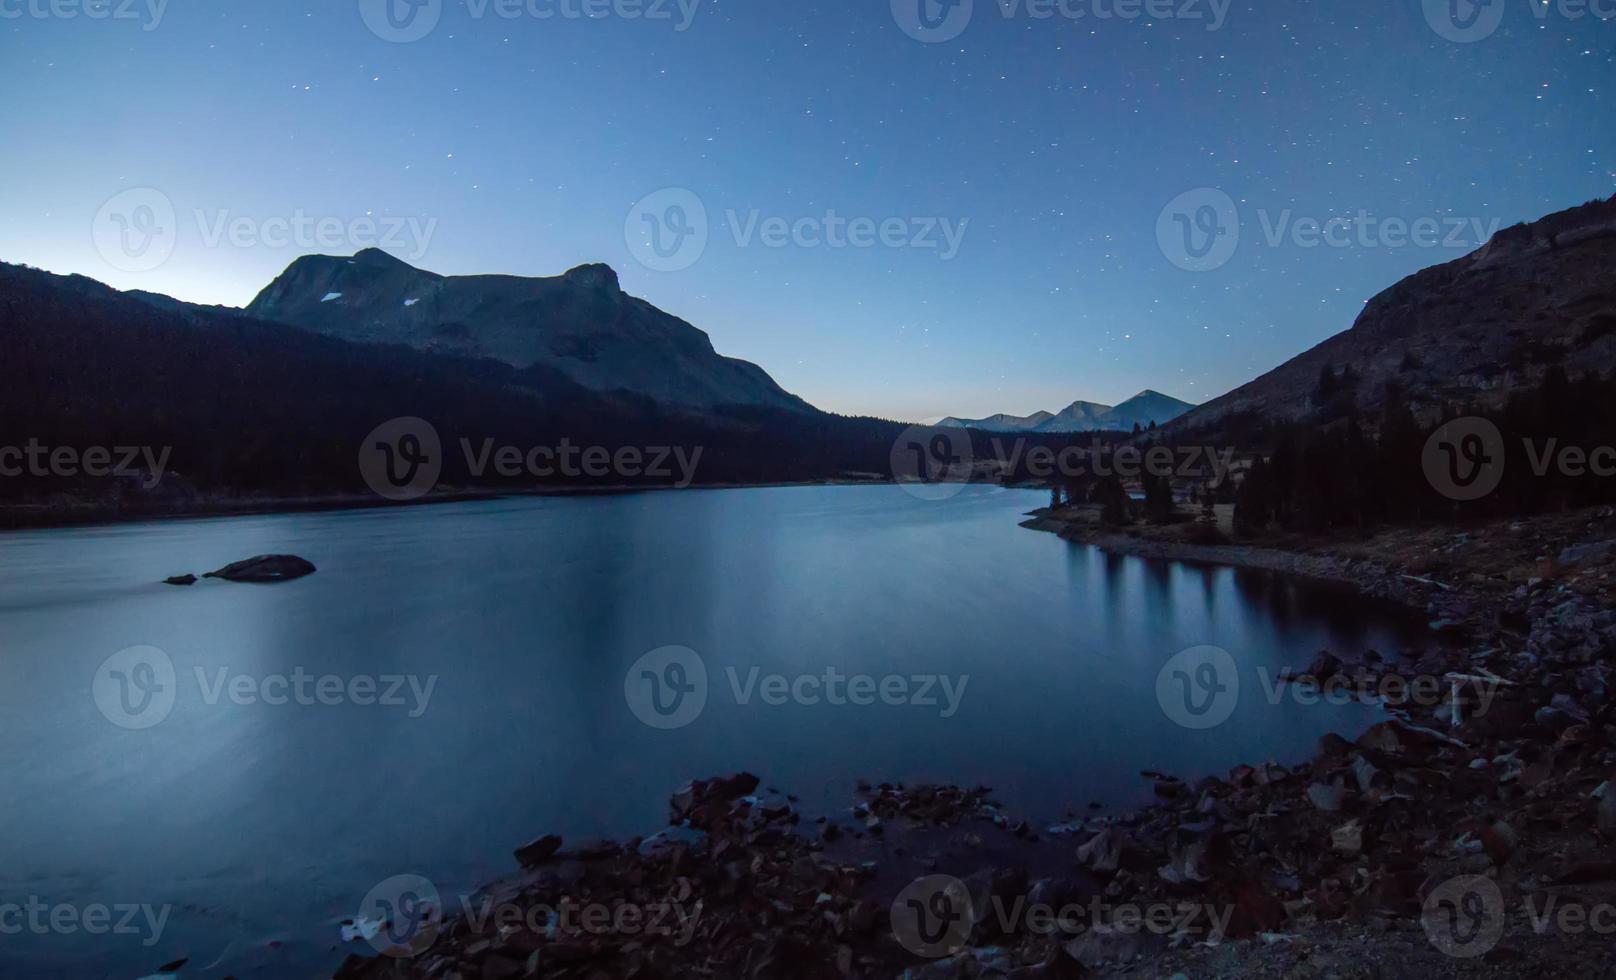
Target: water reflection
pixel 528 613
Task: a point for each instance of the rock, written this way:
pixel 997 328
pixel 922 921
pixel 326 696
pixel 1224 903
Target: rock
pixel 1103 945
pixel 1606 813
pixel 591 850
pixel 1333 746
pixel 265 568
pixel 1103 852
pixel 1592 552
pixel 695 798
pixel 1328 797
pixel 1056 893
pixel 180 580
pixel 1499 840
pixel 1367 775
pixel 539 850
pixel 1325 666
pixel 1348 838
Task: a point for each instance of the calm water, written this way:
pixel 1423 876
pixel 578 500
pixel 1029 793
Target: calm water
pixel 263 825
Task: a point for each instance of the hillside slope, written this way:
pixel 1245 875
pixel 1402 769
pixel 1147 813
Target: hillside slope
pixel 1474 330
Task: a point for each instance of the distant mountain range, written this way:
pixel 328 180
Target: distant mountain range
pixel 1469 332
pixel 580 324
pixel 1144 409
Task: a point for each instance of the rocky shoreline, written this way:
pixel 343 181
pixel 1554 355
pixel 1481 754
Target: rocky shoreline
pixel 1469 835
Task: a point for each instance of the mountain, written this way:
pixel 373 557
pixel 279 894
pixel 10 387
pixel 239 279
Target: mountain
pixel 1000 423
pixel 1472 331
pixel 1080 416
pixel 580 324
pixel 1144 409
pixel 241 406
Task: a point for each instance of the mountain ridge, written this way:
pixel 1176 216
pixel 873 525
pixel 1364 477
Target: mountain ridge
pixel 579 323
pixel 1472 331
pixel 1147 407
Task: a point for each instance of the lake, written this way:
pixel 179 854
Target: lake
pixel 457 679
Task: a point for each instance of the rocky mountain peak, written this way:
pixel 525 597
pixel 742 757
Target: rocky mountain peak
pixel 594 275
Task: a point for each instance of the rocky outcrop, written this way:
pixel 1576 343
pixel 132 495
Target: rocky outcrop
pixel 264 569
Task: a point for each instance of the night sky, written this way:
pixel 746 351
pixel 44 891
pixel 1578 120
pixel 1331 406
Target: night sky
pixel 1050 146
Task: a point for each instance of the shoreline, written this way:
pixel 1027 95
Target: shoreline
pixel 44 517
pixel 1370 579
pixel 1326 867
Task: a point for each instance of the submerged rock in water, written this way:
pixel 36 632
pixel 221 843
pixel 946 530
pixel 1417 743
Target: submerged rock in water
pixel 265 568
pixel 180 580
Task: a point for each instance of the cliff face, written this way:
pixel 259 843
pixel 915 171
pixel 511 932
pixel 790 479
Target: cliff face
pixel 1470 331
pixel 581 324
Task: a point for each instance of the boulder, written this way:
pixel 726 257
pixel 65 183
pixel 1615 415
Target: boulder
pixel 180 580
pixel 265 568
pixel 539 850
